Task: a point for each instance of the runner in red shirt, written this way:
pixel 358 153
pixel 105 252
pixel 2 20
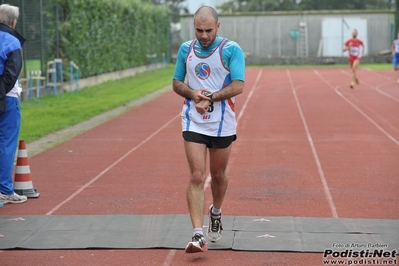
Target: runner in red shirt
pixel 353 46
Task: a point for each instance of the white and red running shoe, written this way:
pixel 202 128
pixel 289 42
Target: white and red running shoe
pixel 215 228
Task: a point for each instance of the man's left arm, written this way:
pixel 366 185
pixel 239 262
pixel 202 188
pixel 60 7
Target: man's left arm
pixel 235 88
pixel 237 73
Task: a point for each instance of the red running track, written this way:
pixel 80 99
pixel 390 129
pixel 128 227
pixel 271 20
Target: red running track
pixel 307 146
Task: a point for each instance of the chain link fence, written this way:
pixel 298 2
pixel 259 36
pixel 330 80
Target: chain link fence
pixel 33 24
pixel 38 24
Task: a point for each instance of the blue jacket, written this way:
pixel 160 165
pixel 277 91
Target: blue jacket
pixel 10 61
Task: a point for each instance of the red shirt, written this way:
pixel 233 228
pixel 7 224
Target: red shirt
pixel 354 47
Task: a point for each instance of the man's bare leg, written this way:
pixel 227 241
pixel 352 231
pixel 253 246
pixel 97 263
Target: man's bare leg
pixel 219 159
pixel 354 74
pixel 196 157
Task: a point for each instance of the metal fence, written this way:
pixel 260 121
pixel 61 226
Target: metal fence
pixel 33 24
pixel 38 24
pixel 303 34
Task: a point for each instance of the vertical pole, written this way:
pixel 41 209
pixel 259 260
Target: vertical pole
pixel 278 35
pixel 342 35
pixel 396 17
pixel 55 78
pixel 298 37
pixel 393 34
pixel 23 32
pixel 57 37
pixel 77 79
pixel 70 77
pixel 191 31
pixel 41 37
pixel 30 86
pixel 235 30
pixel 170 44
pixel 39 85
pixel 61 71
pixel 255 35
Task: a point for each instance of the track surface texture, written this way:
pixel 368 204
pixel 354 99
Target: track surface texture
pixel 308 146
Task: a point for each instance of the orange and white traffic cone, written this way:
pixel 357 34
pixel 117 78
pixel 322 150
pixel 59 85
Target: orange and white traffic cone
pixel 23 181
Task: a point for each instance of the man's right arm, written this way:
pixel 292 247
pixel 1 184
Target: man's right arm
pixel 180 73
pixel 346 46
pixel 182 89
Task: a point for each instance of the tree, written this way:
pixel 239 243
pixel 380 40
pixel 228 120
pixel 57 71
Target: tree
pixel 176 7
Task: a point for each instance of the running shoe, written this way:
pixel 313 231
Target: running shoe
pixel 351 85
pixel 197 244
pixel 12 198
pixel 215 228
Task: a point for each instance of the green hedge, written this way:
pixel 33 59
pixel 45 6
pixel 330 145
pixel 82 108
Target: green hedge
pixel 108 35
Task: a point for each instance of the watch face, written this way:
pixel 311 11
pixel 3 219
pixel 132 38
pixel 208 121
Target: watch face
pixel 207 94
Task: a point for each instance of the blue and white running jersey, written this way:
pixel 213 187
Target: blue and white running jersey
pixel 209 71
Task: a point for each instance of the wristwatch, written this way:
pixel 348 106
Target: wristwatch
pixel 207 94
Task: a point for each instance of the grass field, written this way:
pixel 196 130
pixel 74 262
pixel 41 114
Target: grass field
pixel 32 65
pixel 377 66
pixel 49 114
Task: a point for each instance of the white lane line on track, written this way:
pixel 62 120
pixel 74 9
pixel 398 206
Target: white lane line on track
pixel 77 192
pixel 377 88
pixel 384 93
pixel 357 108
pixel 169 258
pixel 326 189
pixel 208 179
pixel 249 96
pixel 378 74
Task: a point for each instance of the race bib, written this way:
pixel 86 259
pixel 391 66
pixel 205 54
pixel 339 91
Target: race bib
pixel 213 114
pixel 354 51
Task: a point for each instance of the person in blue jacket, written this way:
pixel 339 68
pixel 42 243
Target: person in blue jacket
pixel 10 116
